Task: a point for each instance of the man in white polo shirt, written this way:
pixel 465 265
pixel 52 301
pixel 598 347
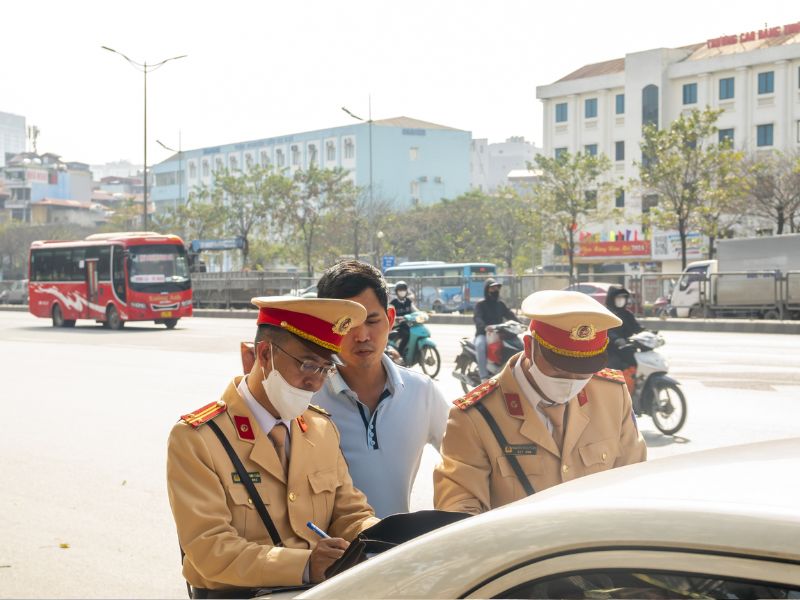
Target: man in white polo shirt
pixel 385 413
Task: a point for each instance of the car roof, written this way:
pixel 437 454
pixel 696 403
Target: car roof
pixel 741 499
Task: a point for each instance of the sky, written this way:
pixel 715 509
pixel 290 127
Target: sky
pixel 259 69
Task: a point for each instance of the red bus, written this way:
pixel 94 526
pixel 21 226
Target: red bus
pixel 111 278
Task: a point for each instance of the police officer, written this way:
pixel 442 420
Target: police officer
pixel 240 536
pixel 553 414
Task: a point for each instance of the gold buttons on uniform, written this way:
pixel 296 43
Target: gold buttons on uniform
pixel 292 496
pixel 249 500
pixel 220 403
pixel 604 456
pixel 565 468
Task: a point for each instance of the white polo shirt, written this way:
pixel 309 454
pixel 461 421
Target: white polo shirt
pixel 384 449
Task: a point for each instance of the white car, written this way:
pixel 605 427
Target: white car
pixel 722 523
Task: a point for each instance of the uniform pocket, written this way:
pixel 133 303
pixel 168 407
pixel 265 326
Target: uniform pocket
pixel 599 455
pixel 323 487
pixel 531 465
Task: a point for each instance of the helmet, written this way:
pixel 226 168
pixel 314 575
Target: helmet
pixel 400 285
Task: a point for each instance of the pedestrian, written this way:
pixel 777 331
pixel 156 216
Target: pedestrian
pixel 489 311
pixel 386 413
pixel 552 415
pixel 243 527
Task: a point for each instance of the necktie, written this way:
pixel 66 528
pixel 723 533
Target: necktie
pixel 278 436
pixel 555 413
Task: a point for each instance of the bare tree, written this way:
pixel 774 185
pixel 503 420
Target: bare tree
pixel 775 189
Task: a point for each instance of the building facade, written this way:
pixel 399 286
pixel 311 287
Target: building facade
pixel 411 162
pixel 492 164
pixel 12 135
pixel 31 177
pixel 754 77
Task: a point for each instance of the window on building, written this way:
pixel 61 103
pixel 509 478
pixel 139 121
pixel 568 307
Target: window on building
pixel 312 155
pixel 218 164
pixel 726 88
pixel 590 149
pixel 764 135
pixel 690 93
pixel 413 153
pixel 649 202
pixel 330 151
pixel 561 112
pixel 798 132
pixel 766 82
pixel 590 197
pixel 559 152
pixel 349 148
pixel 234 163
pixel 724 135
pixel 619 198
pixel 590 108
pixel 650 105
pixel 206 169
pixel 192 169
pixel 619 150
pixel 248 161
pixel 295 150
pixel 280 157
pixel 620 104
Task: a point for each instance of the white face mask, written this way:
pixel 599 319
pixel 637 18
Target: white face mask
pixel 557 389
pixel 620 301
pixel 289 401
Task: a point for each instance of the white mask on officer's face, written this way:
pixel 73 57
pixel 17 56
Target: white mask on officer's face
pixel 289 401
pixel 557 389
pixel 620 301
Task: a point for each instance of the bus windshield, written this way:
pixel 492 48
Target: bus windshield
pixel 158 268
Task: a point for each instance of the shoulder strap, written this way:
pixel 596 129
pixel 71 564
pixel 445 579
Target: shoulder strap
pixel 251 489
pixel 501 439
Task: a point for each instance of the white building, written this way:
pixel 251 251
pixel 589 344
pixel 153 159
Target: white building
pixel 12 135
pixel 491 164
pixel 753 76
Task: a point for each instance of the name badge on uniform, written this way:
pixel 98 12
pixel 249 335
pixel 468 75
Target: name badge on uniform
pixel 520 449
pixel 255 477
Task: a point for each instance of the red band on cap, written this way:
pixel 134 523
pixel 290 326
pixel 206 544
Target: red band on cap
pixel 578 343
pixel 305 326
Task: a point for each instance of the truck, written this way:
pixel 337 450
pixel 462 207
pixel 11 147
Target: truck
pixel 751 277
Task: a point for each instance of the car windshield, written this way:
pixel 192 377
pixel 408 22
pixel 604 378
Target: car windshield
pixel 159 268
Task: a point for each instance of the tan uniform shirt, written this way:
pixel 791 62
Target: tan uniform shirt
pixel 225 540
pixel 475 475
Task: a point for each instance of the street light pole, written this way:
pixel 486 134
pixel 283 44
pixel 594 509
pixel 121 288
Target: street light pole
pixel 145 69
pixel 369 123
pixel 180 166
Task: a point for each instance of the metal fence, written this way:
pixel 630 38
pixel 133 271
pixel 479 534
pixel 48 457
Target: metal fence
pixel 234 289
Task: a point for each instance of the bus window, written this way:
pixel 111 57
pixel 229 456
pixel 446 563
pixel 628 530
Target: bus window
pixel 118 272
pixel 41 269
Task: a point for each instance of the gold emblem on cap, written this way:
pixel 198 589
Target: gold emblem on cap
pixel 583 333
pixel 342 325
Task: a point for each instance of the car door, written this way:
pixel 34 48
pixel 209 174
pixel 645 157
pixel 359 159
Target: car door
pixel 646 573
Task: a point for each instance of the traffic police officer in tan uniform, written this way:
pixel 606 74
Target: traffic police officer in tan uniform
pixel 235 541
pixel 553 414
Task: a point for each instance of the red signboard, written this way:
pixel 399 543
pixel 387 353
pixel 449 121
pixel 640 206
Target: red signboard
pixel 639 248
pixel 750 36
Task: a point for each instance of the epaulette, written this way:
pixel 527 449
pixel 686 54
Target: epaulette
pixel 476 395
pixel 610 375
pixel 319 409
pixel 205 414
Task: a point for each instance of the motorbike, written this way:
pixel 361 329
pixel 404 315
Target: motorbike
pixel 655 393
pixel 420 348
pixel 502 342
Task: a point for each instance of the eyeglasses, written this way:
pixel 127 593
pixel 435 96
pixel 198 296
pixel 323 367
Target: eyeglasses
pixel 309 367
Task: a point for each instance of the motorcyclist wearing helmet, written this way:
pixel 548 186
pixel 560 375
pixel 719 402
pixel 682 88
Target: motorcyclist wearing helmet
pixel 620 353
pixel 403 305
pixel 489 311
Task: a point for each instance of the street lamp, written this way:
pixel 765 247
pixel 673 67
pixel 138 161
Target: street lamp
pixel 369 122
pixel 378 260
pixel 144 68
pixel 180 166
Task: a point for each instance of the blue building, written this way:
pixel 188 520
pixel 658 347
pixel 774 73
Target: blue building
pixel 413 162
